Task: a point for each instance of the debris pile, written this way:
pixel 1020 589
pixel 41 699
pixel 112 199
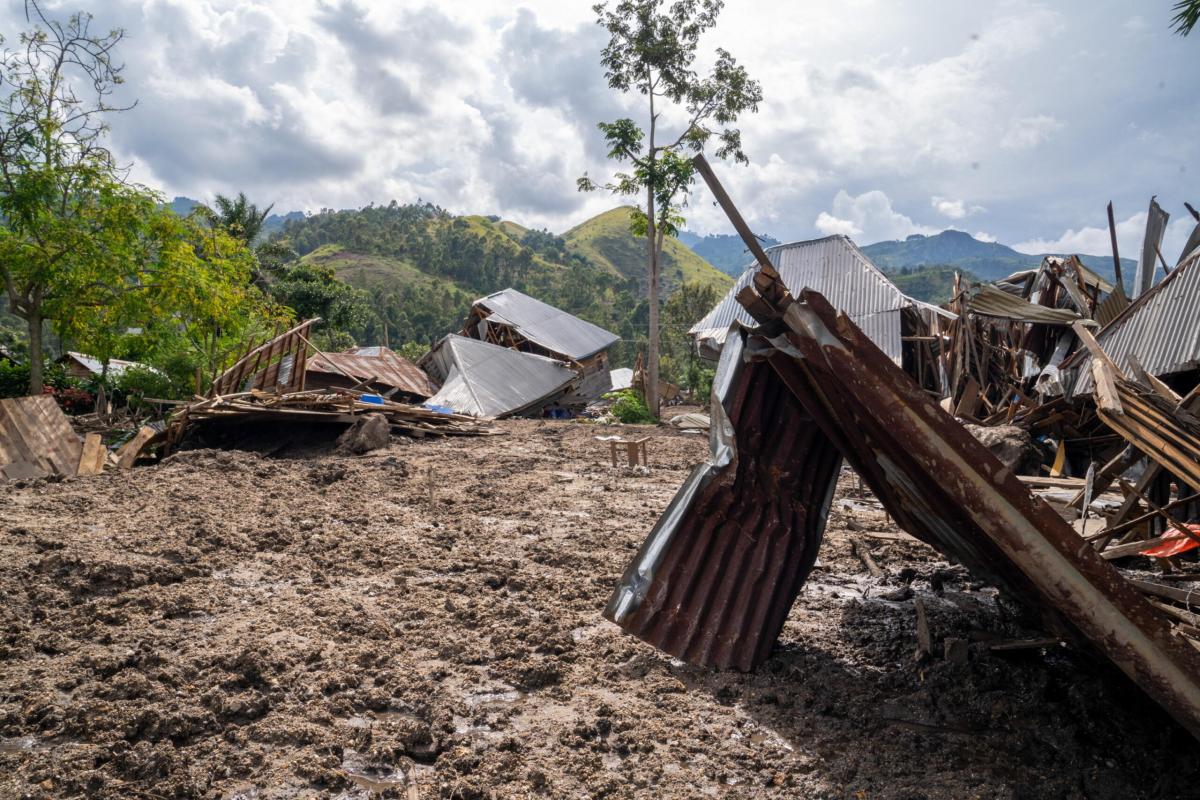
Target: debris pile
pixel 802 386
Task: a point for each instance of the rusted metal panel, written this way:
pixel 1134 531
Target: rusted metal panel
pixel 944 487
pixel 715 579
pixel 384 368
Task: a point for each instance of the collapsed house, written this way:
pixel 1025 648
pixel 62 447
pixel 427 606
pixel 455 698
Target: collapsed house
pixel 900 325
pixel 485 380
pixel 390 373
pixel 802 387
pixel 517 321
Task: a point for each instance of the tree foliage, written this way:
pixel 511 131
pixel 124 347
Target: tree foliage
pixel 652 50
pixel 69 221
pixel 1187 14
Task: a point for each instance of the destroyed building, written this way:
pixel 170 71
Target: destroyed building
pixel 486 380
pixel 802 387
pixel 838 269
pixel 515 320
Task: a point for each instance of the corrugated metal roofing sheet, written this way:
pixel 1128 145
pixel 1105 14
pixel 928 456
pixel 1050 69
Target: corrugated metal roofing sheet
pixel 485 380
pixel 116 366
pixel 1161 329
pixel 381 366
pixel 989 301
pixel 835 267
pixel 547 326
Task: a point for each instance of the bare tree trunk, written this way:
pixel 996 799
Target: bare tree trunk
pixel 651 382
pixel 34 321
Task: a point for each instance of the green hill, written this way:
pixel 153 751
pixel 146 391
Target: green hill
pixel 605 240
pixel 422 267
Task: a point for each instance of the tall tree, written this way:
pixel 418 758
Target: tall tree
pixel 652 50
pixel 239 217
pixel 68 218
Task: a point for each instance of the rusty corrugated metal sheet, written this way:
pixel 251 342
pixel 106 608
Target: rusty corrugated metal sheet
pixel 944 487
pixel 383 367
pixel 715 579
pixel 1161 329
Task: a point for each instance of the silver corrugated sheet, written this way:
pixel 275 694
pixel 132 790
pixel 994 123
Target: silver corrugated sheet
pixel 485 380
pixel 989 301
pixel 547 326
pixel 1161 329
pixel 833 266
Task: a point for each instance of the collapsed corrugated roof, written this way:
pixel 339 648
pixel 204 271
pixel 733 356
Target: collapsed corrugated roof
pixel 718 573
pixel 838 269
pixel 1160 329
pixel 379 365
pixel 989 301
pixel 546 326
pixel 489 381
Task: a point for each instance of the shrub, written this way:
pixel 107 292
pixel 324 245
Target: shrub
pixel 14 379
pixel 138 382
pixel 630 408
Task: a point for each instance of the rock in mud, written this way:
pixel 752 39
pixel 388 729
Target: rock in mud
pixel 1011 444
pixel 371 432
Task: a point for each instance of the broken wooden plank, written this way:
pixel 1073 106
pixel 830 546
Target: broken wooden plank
pixel 91 460
pixel 35 431
pixel 129 452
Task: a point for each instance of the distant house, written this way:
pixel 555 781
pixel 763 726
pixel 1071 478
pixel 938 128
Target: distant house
pixel 838 269
pixel 384 370
pixel 515 320
pixel 83 366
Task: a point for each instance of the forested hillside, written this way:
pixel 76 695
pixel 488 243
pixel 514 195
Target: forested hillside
pixel 420 267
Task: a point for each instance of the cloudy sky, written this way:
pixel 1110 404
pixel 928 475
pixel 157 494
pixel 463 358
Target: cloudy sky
pixel 1014 120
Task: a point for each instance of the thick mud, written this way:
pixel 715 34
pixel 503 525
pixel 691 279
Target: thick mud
pixel 424 621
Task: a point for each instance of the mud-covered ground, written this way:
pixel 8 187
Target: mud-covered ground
pixel 424 621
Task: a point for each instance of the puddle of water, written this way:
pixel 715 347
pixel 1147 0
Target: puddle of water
pixel 476 699
pixel 377 778
pixel 19 744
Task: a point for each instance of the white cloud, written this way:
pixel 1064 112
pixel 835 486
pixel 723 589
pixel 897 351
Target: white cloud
pixel 490 106
pixel 983 236
pixel 1096 241
pixel 867 218
pixel 953 209
pixel 1029 132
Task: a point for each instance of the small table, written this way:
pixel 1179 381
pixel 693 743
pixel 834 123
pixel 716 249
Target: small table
pixel 632 448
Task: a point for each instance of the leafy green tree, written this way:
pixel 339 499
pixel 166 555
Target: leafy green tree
pixel 69 221
pixel 313 291
pixel 239 217
pixel 651 51
pixel 1187 14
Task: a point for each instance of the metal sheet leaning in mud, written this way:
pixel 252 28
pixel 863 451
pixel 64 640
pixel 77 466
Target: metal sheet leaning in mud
pixel 945 488
pixel 717 575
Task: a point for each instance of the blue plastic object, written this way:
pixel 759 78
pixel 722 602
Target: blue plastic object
pixel 374 399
